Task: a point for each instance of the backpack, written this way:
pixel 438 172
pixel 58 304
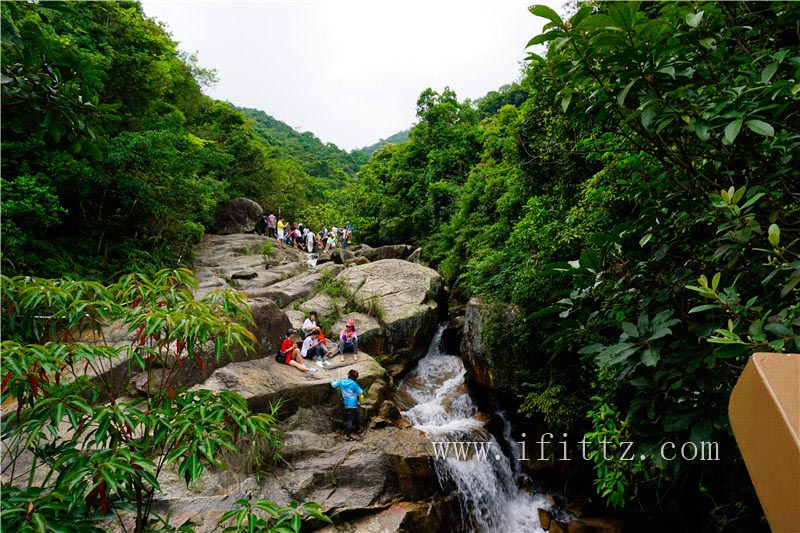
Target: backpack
pixel 280 357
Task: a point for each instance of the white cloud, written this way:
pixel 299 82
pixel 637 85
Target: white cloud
pixel 350 71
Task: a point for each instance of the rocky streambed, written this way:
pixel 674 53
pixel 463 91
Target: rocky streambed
pixel 384 481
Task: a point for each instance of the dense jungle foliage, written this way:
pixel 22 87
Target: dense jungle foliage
pixel 635 197
pixel 113 159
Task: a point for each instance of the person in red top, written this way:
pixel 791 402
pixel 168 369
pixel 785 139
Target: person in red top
pixel 292 352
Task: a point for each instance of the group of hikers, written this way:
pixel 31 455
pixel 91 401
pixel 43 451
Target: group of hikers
pixel 302 237
pixel 315 348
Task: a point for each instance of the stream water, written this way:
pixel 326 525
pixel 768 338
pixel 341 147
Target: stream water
pixel 434 398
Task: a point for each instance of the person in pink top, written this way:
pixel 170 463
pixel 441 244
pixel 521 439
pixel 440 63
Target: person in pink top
pixel 348 340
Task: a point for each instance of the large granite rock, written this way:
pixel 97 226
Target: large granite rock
pixel 392 251
pixel 473 349
pixel 410 296
pixel 296 288
pixel 237 216
pixel 236 261
pixel 264 381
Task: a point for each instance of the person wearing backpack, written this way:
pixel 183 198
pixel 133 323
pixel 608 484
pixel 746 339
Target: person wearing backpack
pixel 351 393
pixel 289 354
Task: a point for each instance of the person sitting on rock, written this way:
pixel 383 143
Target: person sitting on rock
pixel 314 348
pixel 350 395
pixel 348 340
pixel 310 324
pixel 292 352
pixel 331 242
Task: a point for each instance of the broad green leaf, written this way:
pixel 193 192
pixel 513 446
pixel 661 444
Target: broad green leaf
pixel 680 421
pixel 774 234
pixel 644 240
pixel 761 127
pixel 777 345
pixel 777 329
pixel 565 102
pixel 738 195
pixel 630 330
pixel 593 348
pixel 598 21
pixel 701 431
pixel 590 260
pixel 547 13
pixel 624 93
pixel 647 116
pixel 769 71
pixel 702 308
pixel 616 353
pixel 731 350
pixel 650 356
pixel 693 19
pixel 669 70
pixel 708 42
pixel 545 37
pixel 732 131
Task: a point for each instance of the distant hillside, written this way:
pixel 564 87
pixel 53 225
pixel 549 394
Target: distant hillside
pixel 317 158
pixel 399 137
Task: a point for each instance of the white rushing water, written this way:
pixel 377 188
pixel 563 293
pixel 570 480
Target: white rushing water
pixel 435 400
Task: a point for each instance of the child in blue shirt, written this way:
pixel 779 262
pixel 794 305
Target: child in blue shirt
pixel 350 393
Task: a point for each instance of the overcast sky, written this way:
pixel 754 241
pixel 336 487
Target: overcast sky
pixel 350 71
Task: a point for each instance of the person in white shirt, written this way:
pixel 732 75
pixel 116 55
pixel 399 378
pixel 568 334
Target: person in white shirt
pixel 310 323
pixel 314 348
pixel 310 241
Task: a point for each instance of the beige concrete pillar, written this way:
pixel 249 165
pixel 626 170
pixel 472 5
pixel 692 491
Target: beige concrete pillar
pixel 764 411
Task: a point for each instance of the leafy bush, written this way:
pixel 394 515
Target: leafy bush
pixel 92 451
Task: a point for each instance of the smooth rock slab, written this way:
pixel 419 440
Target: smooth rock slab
pixel 265 381
pixel 409 294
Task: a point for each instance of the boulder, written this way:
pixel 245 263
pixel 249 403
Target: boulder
pixel 264 381
pixel 324 304
pixel 392 251
pixel 237 216
pixel 297 287
pixel 419 517
pixel 473 349
pixel 409 295
pixel 356 261
pixel 236 261
pixel 340 256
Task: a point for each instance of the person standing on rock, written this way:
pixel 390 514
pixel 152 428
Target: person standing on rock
pixel 292 354
pixel 281 229
pixel 350 393
pixel 348 340
pixel 309 237
pixel 271 225
pixel 261 225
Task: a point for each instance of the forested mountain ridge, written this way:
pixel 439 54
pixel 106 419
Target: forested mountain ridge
pixel 318 159
pixel 113 158
pixel 399 137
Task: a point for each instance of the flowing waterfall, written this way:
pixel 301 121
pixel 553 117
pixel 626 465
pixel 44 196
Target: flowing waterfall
pixel 435 399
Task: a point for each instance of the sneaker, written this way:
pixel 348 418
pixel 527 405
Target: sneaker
pixel 312 370
pixel 321 364
pixel 328 363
